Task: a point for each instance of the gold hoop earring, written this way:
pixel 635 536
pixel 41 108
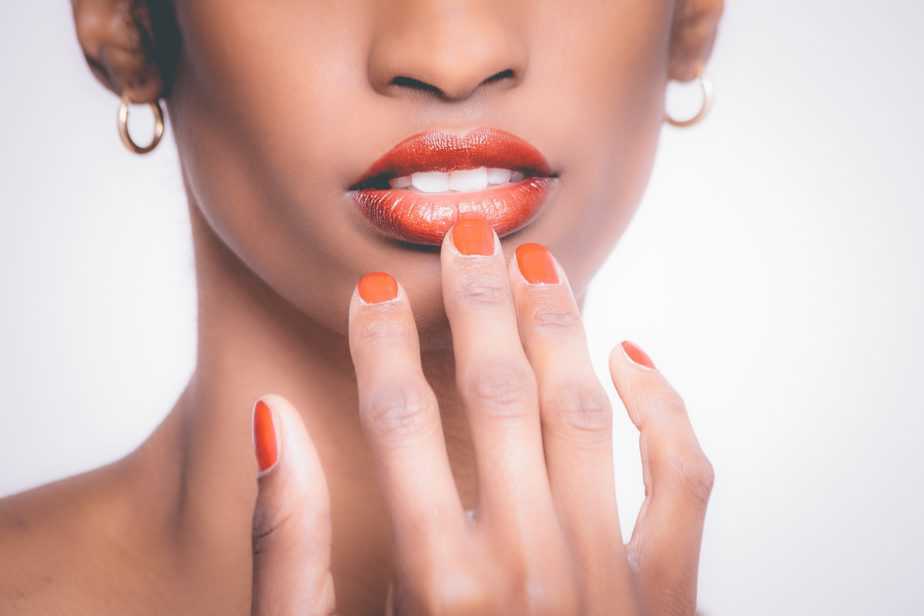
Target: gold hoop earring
pixel 707 89
pixel 127 140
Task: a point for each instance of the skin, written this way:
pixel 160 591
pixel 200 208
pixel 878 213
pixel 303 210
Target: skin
pixel 276 108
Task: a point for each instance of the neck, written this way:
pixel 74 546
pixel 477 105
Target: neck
pixel 251 341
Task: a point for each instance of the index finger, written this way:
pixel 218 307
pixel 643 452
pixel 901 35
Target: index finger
pixel 399 412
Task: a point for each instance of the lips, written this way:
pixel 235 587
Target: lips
pixel 386 197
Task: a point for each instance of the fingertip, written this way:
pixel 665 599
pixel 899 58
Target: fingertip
pixel 625 372
pixel 288 464
pixel 537 265
pixel 471 237
pixel 636 355
pixel 266 428
pixel 554 276
pixel 375 295
pixel 377 288
pixel 291 529
pixel 616 358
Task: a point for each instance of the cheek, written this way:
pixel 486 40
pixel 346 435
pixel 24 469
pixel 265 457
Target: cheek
pixel 256 113
pixel 603 84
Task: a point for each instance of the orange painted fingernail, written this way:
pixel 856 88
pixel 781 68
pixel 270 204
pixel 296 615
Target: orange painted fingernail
pixel 637 355
pixel 536 264
pixel 264 436
pixel 473 236
pixel 377 287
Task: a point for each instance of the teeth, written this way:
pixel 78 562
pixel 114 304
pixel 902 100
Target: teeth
pixel 430 181
pixel 460 180
pixel 402 182
pixel 498 176
pixel 468 180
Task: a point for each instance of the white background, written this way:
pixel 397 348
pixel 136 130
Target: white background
pixel 773 273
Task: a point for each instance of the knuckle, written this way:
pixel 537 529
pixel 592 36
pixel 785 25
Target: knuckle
pixel 544 594
pixel 551 316
pixel 326 602
pixel 455 590
pixel 478 285
pixel 705 477
pixel 580 410
pixel 656 406
pixel 502 388
pixel 674 450
pixel 268 524
pixel 665 402
pixel 676 600
pixel 693 471
pixel 397 412
pixel 384 326
pixel 292 520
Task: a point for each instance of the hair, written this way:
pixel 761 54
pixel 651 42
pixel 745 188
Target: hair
pixel 157 19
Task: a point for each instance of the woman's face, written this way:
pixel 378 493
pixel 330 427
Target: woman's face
pixel 280 107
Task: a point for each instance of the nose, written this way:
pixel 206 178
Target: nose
pixel 447 49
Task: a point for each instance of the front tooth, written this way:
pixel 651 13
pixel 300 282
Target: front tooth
pixel 430 181
pixel 516 176
pixel 400 182
pixel 467 180
pixel 498 176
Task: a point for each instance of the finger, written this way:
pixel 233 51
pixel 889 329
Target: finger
pixel 665 544
pixel 495 380
pixel 577 418
pixel 399 413
pixel 291 522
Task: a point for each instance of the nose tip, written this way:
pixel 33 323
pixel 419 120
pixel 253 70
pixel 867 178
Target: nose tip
pixel 447 54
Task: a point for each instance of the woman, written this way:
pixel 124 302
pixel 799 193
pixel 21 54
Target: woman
pixel 396 210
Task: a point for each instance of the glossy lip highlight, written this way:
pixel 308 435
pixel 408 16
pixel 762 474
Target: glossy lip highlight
pixel 424 218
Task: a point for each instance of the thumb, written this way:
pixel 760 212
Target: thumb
pixel 291 521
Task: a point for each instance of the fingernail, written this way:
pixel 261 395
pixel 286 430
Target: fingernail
pixel 536 264
pixel 377 287
pixel 637 355
pixel 473 236
pixel 264 436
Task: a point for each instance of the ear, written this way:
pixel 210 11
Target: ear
pixel 130 45
pixel 695 27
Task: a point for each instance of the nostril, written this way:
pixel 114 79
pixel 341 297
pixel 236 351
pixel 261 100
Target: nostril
pixel 505 74
pixel 418 85
pixel 415 84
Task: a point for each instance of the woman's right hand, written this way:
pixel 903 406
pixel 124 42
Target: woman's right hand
pixel 546 536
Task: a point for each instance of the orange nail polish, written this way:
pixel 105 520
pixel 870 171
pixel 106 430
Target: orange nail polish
pixel 536 264
pixel 264 435
pixel 377 287
pixel 637 355
pixel 473 236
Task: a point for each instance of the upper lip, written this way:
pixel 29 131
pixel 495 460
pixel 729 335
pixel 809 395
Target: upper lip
pixel 443 150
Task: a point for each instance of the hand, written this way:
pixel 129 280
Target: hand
pixel 546 538
pixel 291 522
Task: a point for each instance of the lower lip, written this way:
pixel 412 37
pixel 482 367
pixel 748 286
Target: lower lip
pixel 424 218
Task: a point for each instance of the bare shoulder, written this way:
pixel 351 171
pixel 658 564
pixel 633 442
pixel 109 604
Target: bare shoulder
pixel 74 546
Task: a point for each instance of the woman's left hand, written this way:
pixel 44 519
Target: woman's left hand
pixel 547 537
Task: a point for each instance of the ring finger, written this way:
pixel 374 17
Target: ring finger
pixel 576 418
pixel 399 413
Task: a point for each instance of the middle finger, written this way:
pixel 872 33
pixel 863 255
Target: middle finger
pixel 495 380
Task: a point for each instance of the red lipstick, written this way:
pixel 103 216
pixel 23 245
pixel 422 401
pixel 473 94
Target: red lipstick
pixel 409 214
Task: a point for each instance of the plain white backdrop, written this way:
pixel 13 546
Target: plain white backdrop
pixel 773 273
